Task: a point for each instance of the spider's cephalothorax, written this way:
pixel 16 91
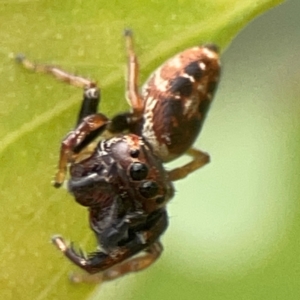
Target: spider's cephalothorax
pixel 122 180
pixel 126 189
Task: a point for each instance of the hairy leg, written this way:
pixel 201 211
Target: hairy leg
pixel 129 120
pixel 57 72
pixel 199 160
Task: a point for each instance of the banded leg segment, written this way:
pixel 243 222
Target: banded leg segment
pixel 200 159
pixel 90 102
pixel 56 72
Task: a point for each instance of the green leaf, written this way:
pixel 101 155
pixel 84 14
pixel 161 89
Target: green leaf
pixel 36 111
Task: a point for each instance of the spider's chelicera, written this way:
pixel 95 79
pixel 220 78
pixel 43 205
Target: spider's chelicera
pixel 122 180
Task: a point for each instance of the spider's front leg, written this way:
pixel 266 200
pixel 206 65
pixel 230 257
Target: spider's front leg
pixel 129 120
pixel 120 261
pixel 89 123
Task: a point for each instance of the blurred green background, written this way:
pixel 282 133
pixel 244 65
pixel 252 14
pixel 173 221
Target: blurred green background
pixel 234 225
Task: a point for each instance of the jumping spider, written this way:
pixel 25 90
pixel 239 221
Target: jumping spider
pixel 122 181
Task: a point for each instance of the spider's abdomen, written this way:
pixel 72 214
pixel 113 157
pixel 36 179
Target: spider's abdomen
pixel 177 97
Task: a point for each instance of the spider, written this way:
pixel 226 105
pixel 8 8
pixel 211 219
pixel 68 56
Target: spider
pixel 122 180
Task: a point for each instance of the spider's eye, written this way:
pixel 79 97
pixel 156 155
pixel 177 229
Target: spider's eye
pixel 138 171
pixel 135 153
pixel 148 189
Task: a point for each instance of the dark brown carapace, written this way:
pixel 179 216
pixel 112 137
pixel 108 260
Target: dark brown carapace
pixel 122 180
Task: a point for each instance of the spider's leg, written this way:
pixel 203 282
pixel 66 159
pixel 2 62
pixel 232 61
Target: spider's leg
pixel 91 96
pixel 129 120
pixel 132 90
pixel 199 160
pixel 135 264
pixel 89 125
pixel 112 263
pixel 57 72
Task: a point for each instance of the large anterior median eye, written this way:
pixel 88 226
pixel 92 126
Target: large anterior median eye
pixel 148 189
pixel 138 171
